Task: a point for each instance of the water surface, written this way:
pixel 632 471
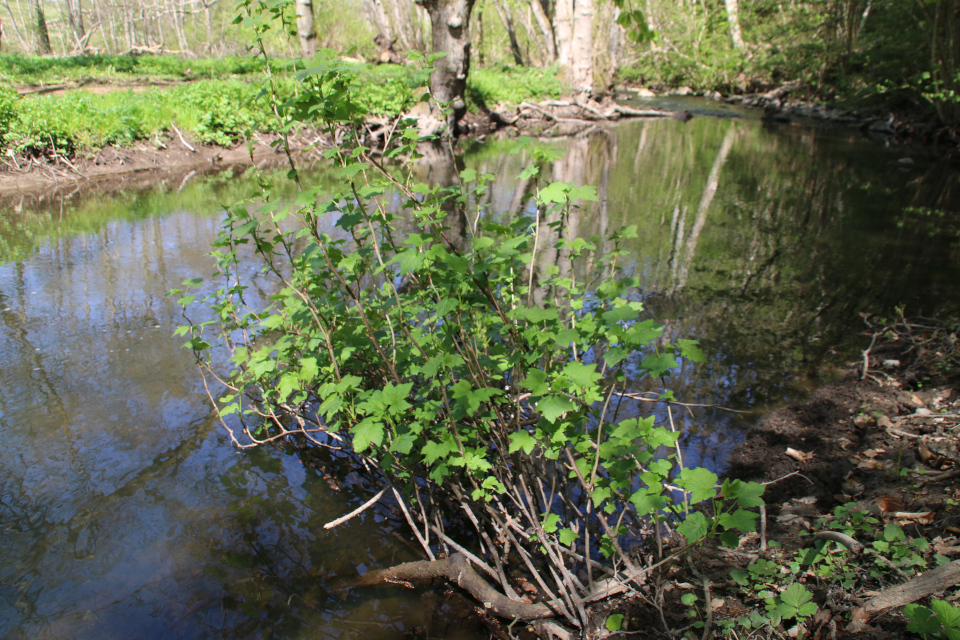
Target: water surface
pixel 125 512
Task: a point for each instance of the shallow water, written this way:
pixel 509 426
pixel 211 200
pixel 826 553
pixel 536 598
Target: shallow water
pixel 125 512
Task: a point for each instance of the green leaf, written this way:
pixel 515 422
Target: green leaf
pixel 795 602
pixel 741 577
pixel 615 355
pixel 621 314
pixel 646 502
pixel 947 614
pixel 308 369
pixel 700 482
pixel 643 333
pixel 536 382
pixel 551 522
pixel 688 599
pixel 553 406
pixel 690 350
pixel 740 520
pixel 567 537
pixel 893 533
pixel 403 444
pixel 555 192
pixel 368 432
pixel 614 622
pixel 694 527
pixel 522 440
pixel 658 364
pixel 394 397
pixel 730 539
pixel 583 375
pixel 747 494
pixel 434 450
pixel 922 620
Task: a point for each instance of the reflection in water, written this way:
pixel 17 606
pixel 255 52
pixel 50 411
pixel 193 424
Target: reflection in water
pixel 123 513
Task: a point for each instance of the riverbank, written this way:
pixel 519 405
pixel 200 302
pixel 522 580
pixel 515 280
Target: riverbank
pixel 173 152
pixel 792 103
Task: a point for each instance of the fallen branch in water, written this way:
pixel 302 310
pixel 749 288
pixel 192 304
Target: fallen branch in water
pixel 457 570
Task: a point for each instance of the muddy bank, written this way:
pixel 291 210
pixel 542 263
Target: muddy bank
pixel 173 155
pixel 892 423
pixel 166 158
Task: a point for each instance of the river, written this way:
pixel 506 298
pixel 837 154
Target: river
pixel 125 512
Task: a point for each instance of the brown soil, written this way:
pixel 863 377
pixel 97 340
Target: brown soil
pixel 891 431
pixel 166 157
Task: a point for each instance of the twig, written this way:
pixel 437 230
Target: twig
pixel 366 505
pixel 416 532
pixel 763 527
pixel 866 356
pixel 180 135
pixel 794 473
pixel 835 536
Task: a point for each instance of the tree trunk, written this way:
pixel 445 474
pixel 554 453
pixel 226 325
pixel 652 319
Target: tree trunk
pixel 543 23
pixel 581 55
pixel 43 36
pixel 16 30
pixel 450 22
pixel 573 29
pixel 563 31
pixel 503 10
pixel 733 17
pixel 306 29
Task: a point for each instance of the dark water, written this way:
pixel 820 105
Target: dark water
pixel 124 512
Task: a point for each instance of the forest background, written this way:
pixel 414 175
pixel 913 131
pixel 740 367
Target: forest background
pixel 901 55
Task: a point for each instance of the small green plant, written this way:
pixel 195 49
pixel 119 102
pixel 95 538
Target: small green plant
pixel 940 621
pixel 894 546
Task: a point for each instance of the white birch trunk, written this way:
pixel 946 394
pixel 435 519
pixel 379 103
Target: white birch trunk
pixel 581 55
pixel 733 17
pixel 563 32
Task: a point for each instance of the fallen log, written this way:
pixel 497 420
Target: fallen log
pixel 929 583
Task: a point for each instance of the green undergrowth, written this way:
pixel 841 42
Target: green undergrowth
pixel 488 87
pixel 778 588
pixel 219 112
pixel 25 70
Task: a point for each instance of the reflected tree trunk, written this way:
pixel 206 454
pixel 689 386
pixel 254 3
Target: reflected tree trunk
pixel 438 166
pixel 709 191
pixel 552 228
